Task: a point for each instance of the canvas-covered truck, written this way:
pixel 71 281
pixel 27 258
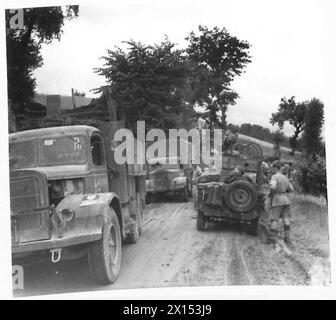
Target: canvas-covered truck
pixel 228 198
pixel 70 199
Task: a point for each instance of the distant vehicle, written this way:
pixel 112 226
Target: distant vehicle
pixel 70 199
pixel 237 200
pixel 168 176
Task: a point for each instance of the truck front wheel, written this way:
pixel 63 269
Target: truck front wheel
pixel 104 255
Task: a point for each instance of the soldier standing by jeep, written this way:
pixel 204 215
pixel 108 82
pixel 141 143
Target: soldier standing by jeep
pixel 280 205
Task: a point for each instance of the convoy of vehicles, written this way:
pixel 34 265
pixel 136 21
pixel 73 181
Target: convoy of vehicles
pixel 70 199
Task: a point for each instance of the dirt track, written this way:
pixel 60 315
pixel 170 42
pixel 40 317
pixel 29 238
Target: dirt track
pixel 171 252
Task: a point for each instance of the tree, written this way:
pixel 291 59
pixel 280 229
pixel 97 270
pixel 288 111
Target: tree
pixel 314 119
pixel 292 112
pixel 148 83
pixel 41 25
pixel 312 176
pixel 217 57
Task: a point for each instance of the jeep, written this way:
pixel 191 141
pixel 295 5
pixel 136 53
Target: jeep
pixel 225 197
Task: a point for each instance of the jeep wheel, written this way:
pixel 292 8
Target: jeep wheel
pixel 240 196
pixel 104 255
pixel 252 228
pixel 200 222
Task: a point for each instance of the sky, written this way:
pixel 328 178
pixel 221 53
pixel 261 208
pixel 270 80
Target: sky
pixel 285 38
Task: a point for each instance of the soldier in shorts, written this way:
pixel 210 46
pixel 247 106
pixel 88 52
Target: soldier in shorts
pixel 280 206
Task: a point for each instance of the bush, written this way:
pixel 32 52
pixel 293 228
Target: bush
pixel 312 176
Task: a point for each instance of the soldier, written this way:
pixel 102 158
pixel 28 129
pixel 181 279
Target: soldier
pixel 264 183
pixel 236 174
pixel 280 206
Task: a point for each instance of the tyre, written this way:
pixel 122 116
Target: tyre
pixel 252 228
pixel 200 222
pixel 104 255
pixel 240 196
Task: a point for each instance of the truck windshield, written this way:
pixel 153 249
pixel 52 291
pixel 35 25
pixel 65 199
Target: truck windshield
pixel 23 154
pixel 63 150
pixel 53 151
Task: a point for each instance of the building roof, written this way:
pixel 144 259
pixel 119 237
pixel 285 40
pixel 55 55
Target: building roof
pixel 66 102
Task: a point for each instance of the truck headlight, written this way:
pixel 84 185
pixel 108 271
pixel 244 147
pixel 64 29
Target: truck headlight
pixel 67 215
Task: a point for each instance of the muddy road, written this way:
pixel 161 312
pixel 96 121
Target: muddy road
pixel 171 252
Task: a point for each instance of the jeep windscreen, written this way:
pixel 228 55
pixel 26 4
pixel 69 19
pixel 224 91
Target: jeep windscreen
pixel 23 154
pixel 62 150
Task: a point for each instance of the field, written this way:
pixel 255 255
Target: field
pixel 311 237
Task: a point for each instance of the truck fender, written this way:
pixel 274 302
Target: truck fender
pixel 86 213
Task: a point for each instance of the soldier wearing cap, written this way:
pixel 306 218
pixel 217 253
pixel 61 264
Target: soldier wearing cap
pixel 280 205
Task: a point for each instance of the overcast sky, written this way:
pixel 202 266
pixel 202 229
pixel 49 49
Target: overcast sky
pixel 285 38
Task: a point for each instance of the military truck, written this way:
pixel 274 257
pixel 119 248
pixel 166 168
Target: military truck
pixel 168 175
pixel 238 200
pixel 70 199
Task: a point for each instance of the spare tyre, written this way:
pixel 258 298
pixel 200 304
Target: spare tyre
pixel 240 196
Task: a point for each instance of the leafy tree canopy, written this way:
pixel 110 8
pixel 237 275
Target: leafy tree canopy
pixel 41 25
pixel 148 83
pixel 218 58
pixel 314 119
pixel 293 113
